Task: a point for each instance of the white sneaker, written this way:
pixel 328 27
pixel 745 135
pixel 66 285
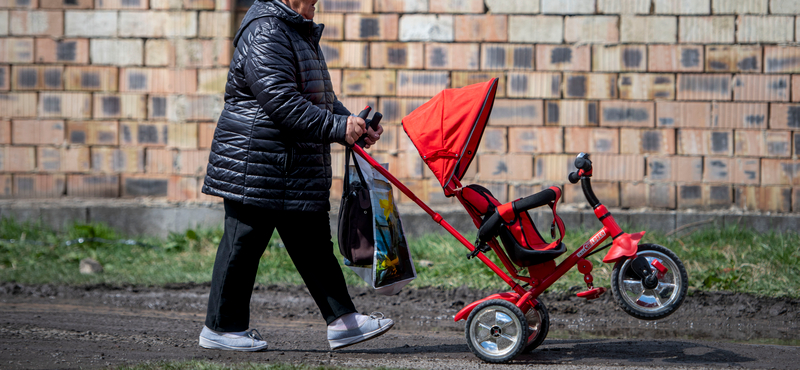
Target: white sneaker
pixel 250 341
pixel 375 325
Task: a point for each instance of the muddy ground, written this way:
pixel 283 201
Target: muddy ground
pixel 48 327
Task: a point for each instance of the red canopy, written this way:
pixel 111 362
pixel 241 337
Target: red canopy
pixel 447 129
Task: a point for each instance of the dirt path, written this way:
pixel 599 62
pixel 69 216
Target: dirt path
pixel 46 327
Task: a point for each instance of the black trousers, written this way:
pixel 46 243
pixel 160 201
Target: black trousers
pixel 307 237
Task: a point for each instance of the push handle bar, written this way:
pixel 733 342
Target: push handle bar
pixel 376 119
pixel 491 227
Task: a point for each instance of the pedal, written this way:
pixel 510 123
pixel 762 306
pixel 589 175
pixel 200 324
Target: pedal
pixel 593 293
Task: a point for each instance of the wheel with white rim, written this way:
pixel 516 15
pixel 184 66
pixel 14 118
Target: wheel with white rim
pixel 497 331
pixel 658 300
pixel 538 326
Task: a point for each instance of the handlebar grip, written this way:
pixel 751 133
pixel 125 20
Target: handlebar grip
pixel 490 228
pixel 373 123
pixel 574 178
pixel 536 200
pixel 363 115
pixel 583 164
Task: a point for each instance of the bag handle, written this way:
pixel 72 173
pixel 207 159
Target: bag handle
pixel 347 153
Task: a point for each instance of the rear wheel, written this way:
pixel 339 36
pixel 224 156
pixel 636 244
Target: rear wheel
pixel 538 326
pixel 497 331
pixel 656 302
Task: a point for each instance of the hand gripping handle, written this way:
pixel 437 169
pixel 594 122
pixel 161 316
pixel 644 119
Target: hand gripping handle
pixel 373 123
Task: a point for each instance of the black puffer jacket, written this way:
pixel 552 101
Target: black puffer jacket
pixel 271 146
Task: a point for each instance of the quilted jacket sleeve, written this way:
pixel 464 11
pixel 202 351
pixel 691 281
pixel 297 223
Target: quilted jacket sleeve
pixel 270 72
pixel 339 108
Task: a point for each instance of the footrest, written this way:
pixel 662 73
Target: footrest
pixel 593 293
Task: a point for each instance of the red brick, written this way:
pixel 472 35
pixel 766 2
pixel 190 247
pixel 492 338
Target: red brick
pixel 690 196
pixel 93 186
pixel 494 140
pixel 371 82
pixel 336 80
pixel 37 132
pixel 461 79
pixel 157 24
pixel 145 186
pixel 781 59
pixel 784 116
pixel 706 30
pixel 123 4
pixel 483 28
pixel 92 132
pixel 646 86
pixel 607 192
pixel 553 167
pixel 627 114
pixel 36 23
pixel 345 54
pixel 563 58
pixel 22 4
pixel 158 80
pixel 90 78
pixel 16 50
pixel 619 58
pixel 5 76
pixel 371 27
pixel 505 167
pixel 638 141
pixel 205 134
pixel 618 167
pixel 507 57
pixel 456 6
pixel 739 115
pixel 66 51
pixel 534 85
pixel 356 104
pixel 215 24
pixel 344 6
pixel 764 199
pixel 37 78
pixel 517 112
pixel 38 186
pixel 160 161
pixel 420 83
pixel 401 6
pixel 590 140
pixel 718 170
pixel 663 169
pixel 661 196
pixel 675 58
pixel 796 199
pixel 126 106
pixel 409 165
pixel 590 85
pixel 780 172
pixel 334 25
pixel 182 188
pixel 633 195
pixel 405 55
pixel 797 143
pixel 717 196
pixel 746 171
pixel 688 169
pixel 388 140
pixel 704 87
pixel 17 105
pixel 212 81
pixel 795 88
pixel 683 114
pixel 535 140
pixel 5 132
pixel 760 143
pixel 116 160
pixel 74 159
pixel 734 58
pixel 192 162
pixel 63 4
pixel 452 56
pixel 143 134
pixel 591 29
pixel 705 142
pixel 191 53
pixel 571 113
pixel 395 109
pixel 17 158
pixel 761 87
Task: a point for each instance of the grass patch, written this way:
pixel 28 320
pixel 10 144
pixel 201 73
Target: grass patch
pixel 716 259
pixel 205 365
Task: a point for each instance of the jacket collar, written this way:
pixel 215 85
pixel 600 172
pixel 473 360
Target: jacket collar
pixel 277 9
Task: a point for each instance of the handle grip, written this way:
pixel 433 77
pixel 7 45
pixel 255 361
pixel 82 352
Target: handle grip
pixel 373 123
pixel 574 178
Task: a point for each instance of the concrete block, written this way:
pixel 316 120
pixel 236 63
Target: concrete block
pixel 784 7
pixel 568 7
pixel 64 51
pixel 740 7
pixel 427 28
pixel 90 23
pixel 753 87
pixel 739 115
pixel 456 6
pixel 651 29
pixel 157 24
pixel 534 84
pixel 707 30
pixel 517 112
pixel 762 223
pixel 401 6
pixel 199 218
pixel 512 6
pixel 627 114
pixel 653 221
pixel 675 58
pixel 767 29
pixel 682 6
pixel 536 29
pixel 591 29
pixel 571 113
pixel 62 218
pixel 118 52
pixel 563 58
pixel 36 23
pixel 683 114
pixel 29 215
pixel 622 58
pixel 646 86
pixel 698 221
pixel 136 221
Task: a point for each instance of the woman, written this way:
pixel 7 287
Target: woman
pixel 270 161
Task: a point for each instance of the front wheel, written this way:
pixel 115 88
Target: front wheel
pixel 660 301
pixel 497 331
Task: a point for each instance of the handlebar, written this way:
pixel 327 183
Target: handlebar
pixel 373 123
pixel 584 174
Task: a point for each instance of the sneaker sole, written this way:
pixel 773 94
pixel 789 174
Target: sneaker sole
pixel 208 344
pixel 342 343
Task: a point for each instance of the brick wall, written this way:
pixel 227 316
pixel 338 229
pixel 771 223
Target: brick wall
pixel 683 103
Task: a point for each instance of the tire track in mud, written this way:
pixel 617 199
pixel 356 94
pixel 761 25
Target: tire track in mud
pixel 97 326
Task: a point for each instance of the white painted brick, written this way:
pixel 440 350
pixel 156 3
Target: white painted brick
pixel 513 6
pixel 426 28
pixel 3 22
pixel 591 29
pixel 568 7
pixel 715 29
pixel 657 29
pixel 623 6
pixel 90 23
pixel 784 7
pixel 157 24
pixel 740 6
pixel 682 6
pixel 120 52
pixel 755 28
pixel 539 28
pixel 36 23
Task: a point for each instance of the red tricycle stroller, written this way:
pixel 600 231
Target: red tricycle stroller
pixel 648 281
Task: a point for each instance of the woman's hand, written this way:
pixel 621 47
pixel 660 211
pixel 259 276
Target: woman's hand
pixel 373 136
pixel 355 128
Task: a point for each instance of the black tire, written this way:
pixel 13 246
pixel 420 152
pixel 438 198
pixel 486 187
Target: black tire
pixel 496 331
pixel 538 326
pixel 650 304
